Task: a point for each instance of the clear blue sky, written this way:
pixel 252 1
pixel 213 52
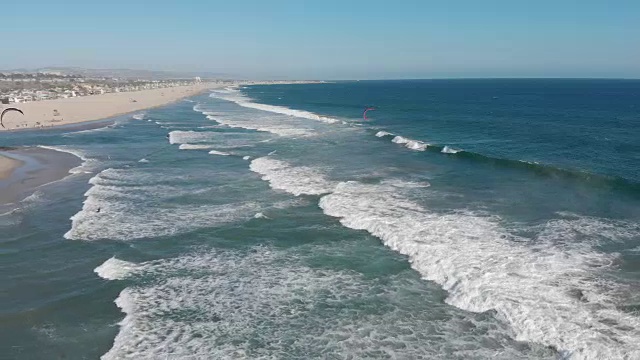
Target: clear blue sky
pixel 329 38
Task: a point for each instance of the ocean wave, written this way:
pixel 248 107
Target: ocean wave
pixel 115 269
pixel 237 97
pixel 410 144
pixel 449 150
pixel 548 294
pixel 139 116
pixel 216 152
pixel 295 180
pixel 383 134
pixel 191 140
pixel 197 107
pixel 267 303
pixel 538 168
pixel 265 124
pixel 130 199
pixel 195 147
pixel 188 137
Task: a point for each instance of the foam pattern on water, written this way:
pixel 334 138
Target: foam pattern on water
pixel 127 204
pixel 295 180
pixel 237 97
pixel 549 294
pixel 267 304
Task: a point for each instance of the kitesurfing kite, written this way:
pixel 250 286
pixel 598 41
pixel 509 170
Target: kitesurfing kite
pixel 364 114
pixel 6 111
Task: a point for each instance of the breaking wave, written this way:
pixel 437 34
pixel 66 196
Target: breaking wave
pixel 484 268
pixel 383 134
pixel 132 198
pixel 237 97
pixel 595 179
pixel 292 179
pixel 264 303
pixel 449 150
pixel 410 144
pixel 195 147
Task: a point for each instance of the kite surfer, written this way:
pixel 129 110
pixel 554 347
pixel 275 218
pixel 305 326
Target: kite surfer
pixel 364 114
pixel 6 111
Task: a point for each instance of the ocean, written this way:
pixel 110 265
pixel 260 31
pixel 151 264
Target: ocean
pixel 464 219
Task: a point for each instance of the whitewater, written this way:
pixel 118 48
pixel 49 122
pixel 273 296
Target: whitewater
pixel 274 222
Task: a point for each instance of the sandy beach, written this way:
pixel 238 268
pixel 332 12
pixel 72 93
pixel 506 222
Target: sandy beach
pixel 49 113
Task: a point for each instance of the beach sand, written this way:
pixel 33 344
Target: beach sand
pixel 95 107
pixel 7 166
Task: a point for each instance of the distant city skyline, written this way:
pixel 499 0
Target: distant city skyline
pixel 330 39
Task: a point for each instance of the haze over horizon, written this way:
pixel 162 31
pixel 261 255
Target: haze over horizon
pixel 331 39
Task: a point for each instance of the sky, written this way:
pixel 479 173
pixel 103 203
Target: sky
pixel 329 39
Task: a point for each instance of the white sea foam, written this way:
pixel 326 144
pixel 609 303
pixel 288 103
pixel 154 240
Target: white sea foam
pixel 287 111
pixel 195 147
pixel 300 180
pixel 449 150
pixel 36 197
pixel 410 144
pixel 139 116
pixel 185 137
pixel 198 140
pixel 548 294
pixel 267 304
pixel 114 269
pixel 143 161
pixel 274 125
pixel 237 97
pixel 383 133
pixel 246 157
pixel 126 205
pixel 260 216
pixel 577 229
pixel 197 108
pixel 216 152
pixel 405 184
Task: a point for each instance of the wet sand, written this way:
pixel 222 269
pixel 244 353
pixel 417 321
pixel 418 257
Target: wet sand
pixel 33 167
pixel 7 166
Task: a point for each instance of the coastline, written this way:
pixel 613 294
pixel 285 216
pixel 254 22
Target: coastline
pixel 36 167
pixel 60 112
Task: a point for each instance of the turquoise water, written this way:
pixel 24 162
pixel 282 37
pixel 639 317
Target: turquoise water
pixel 464 219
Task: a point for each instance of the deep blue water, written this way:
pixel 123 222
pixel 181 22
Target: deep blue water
pixel 464 219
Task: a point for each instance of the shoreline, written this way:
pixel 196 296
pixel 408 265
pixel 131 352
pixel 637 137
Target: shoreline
pixel 8 165
pixel 41 118
pixel 38 167
pixel 52 114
